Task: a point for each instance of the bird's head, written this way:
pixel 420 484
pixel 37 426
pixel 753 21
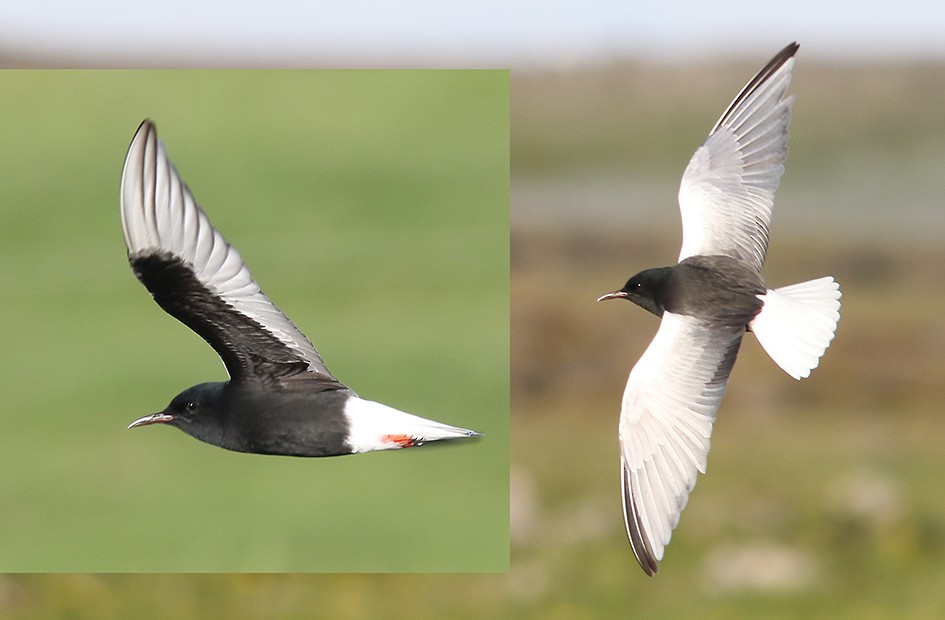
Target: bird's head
pixel 644 289
pixel 196 411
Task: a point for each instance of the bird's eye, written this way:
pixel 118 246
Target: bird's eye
pixel 190 406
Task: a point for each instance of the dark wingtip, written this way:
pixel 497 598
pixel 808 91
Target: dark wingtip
pixel 639 544
pixel 759 78
pixel 779 59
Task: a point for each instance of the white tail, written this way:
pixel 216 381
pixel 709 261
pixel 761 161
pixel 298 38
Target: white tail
pixel 797 323
pixel 374 426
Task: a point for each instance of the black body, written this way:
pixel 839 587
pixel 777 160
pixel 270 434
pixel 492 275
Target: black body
pixel 719 290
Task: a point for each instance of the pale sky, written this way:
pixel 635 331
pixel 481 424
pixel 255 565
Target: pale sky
pixel 439 33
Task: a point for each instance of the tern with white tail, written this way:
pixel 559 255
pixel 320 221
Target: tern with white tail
pixel 707 301
pixel 280 399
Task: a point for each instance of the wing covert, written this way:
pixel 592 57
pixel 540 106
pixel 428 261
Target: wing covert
pixel 199 278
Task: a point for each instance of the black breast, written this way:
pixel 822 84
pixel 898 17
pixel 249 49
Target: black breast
pixel 287 422
pixel 717 289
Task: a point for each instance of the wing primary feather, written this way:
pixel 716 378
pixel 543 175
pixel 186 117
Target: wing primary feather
pixel 666 421
pixel 639 544
pixel 759 78
pixel 727 191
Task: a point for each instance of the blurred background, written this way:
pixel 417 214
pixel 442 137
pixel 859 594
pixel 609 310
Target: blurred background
pixel 372 207
pixel 823 497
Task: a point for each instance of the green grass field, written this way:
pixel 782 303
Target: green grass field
pixel 372 208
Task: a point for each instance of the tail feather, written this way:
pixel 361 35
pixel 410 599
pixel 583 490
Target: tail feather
pixel 797 323
pixel 375 426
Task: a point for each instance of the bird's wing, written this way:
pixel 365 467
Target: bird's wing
pixel 666 419
pixel 199 278
pixel 727 191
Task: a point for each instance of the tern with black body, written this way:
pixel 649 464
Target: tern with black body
pixel 280 399
pixel 707 301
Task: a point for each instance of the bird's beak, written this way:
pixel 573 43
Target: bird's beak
pixel 154 418
pixel 613 295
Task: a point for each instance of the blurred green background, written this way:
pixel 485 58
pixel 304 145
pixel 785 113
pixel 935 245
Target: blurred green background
pixel 372 207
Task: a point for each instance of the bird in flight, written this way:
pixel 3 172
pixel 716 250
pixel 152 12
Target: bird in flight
pixel 707 301
pixel 281 398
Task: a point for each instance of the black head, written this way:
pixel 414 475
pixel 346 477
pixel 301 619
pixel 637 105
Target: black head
pixel 197 411
pixel 644 289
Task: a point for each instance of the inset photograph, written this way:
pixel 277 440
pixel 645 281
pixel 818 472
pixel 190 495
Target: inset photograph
pixel 306 272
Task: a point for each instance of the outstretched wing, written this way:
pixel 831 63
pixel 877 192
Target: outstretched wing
pixel 200 279
pixel 727 191
pixel 666 419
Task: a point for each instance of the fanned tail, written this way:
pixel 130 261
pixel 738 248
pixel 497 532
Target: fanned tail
pixel 797 323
